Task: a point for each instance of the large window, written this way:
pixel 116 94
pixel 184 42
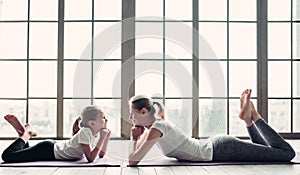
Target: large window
pixel 30 53
pixel 283 72
pixel 230 30
pixel 194 56
pixel 89 74
pixel 163 61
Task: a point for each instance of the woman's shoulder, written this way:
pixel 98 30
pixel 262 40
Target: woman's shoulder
pixel 160 123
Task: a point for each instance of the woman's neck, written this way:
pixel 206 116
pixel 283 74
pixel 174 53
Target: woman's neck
pixel 148 127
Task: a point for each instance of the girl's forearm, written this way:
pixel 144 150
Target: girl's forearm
pixel 94 154
pixel 95 151
pixel 104 146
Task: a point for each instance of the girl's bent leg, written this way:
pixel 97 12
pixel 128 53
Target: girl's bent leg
pixel 18 144
pixel 41 151
pixel 229 148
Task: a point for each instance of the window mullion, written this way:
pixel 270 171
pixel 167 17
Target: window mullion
pixel 128 65
pixel 60 69
pixel 262 58
pixel 195 80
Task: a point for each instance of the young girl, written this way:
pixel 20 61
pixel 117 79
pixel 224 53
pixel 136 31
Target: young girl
pixel 267 144
pixel 89 141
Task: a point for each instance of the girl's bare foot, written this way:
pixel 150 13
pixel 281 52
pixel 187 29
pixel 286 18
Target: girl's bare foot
pixel 30 130
pixel 245 107
pixel 29 133
pixel 14 121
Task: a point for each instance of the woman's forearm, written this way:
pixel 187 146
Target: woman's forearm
pixel 132 149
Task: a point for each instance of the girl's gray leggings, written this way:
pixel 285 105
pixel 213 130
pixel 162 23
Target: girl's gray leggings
pixel 267 145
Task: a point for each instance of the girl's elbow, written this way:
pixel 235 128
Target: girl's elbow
pixel 90 159
pixel 101 154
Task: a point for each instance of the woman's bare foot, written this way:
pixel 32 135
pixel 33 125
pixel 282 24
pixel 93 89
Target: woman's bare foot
pixel 245 107
pixel 14 121
pixel 255 115
pixel 31 131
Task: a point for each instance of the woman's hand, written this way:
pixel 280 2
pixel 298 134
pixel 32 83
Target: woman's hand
pixel 136 132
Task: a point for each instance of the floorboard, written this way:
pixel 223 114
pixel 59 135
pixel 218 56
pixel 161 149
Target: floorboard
pixel 27 171
pixel 112 171
pixel 178 170
pixel 74 170
pixel 196 170
pixel 146 170
pixel 163 171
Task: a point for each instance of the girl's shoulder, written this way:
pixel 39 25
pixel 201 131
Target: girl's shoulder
pixel 84 131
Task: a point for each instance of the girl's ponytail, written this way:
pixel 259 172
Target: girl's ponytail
pixel 76 127
pixel 161 112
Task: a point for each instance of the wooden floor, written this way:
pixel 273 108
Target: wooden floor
pixel 171 170
pixel 168 170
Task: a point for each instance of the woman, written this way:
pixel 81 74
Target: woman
pixel 267 145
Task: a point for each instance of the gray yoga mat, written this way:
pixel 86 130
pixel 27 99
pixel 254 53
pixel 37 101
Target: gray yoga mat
pixel 113 158
pixel 117 155
pixel 173 162
pixel 79 163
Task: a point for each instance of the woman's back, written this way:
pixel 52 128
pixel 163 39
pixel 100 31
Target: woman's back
pixel 175 143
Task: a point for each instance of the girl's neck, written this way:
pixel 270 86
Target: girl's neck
pixel 94 133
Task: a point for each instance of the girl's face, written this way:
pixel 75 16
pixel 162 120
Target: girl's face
pixel 140 118
pixel 100 122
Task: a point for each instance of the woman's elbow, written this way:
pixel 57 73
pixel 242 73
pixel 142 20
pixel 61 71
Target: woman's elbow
pixel 133 161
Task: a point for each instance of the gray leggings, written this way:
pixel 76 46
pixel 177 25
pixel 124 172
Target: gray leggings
pixel 267 145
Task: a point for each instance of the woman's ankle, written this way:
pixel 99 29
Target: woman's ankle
pixel 256 118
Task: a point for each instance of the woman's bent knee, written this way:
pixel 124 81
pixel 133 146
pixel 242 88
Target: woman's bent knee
pixel 290 155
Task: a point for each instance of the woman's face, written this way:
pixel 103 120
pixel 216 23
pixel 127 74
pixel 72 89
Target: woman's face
pixel 140 118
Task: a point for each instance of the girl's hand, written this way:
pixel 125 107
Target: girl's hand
pixel 105 132
pixel 136 132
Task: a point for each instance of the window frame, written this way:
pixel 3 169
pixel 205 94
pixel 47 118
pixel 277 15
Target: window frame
pixel 128 51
